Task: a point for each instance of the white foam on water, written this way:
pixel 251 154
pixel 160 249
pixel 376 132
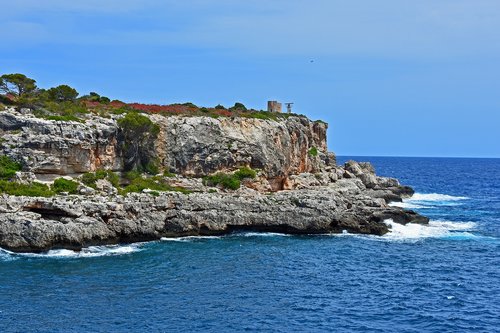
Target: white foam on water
pixel 407 205
pixel 88 252
pixel 261 234
pixel 434 197
pixel 435 229
pixel 6 255
pixel 188 238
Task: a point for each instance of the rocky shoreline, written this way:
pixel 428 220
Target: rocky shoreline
pixel 298 189
pixel 72 222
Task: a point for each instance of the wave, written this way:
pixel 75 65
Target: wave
pixel 88 252
pixel 434 197
pixel 232 235
pixel 407 205
pixel 435 229
pixel 188 238
pixel 260 234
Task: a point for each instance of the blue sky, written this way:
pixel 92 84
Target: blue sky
pixel 391 77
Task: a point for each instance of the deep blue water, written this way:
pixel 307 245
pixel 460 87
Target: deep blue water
pixel 439 278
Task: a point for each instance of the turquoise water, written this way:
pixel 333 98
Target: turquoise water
pixel 438 278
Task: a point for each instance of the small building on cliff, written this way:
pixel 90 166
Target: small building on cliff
pixel 273 106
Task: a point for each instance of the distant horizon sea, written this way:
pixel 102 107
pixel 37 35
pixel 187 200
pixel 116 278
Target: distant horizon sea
pixel 441 277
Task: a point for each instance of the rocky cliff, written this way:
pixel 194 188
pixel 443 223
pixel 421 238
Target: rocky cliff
pixel 189 146
pixel 298 188
pixel 197 146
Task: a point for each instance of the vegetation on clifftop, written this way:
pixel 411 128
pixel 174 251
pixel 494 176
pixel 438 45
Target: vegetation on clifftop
pixel 64 103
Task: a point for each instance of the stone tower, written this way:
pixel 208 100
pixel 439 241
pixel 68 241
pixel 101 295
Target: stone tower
pixel 273 106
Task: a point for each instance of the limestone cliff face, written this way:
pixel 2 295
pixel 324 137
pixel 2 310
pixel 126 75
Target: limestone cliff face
pixel 56 147
pixel 190 146
pixel 197 146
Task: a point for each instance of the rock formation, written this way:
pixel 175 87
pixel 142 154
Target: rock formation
pixel 298 190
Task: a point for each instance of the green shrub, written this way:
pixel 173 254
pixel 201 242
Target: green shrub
pixel 133 174
pixel 245 172
pixel 104 100
pixel 34 189
pixel 8 167
pixel 313 151
pixel 152 168
pixel 238 107
pixel 114 179
pixel 220 107
pixel 90 178
pixel 227 181
pixel 65 185
pixel 190 105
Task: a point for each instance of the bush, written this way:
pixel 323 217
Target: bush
pixel 220 107
pixel 152 168
pixel 238 107
pixel 190 105
pixel 90 178
pixel 65 185
pixel 227 181
pixel 8 167
pixel 104 100
pixel 245 172
pixel 313 151
pixel 31 190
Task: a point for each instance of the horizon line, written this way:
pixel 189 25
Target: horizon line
pixel 408 156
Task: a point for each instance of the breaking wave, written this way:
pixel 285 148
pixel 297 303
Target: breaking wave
pixel 434 197
pixel 407 205
pixel 435 229
pixel 88 252
pixel 188 238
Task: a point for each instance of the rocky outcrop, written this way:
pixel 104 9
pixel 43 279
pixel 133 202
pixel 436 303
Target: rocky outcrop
pixel 197 146
pixel 298 188
pixel 189 146
pixel 73 222
pixel 60 147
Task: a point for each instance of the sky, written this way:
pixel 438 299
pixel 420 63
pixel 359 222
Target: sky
pixel 391 77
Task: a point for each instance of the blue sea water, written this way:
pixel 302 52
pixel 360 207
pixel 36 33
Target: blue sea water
pixel 438 278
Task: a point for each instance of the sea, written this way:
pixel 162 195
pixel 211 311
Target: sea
pixel 442 277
